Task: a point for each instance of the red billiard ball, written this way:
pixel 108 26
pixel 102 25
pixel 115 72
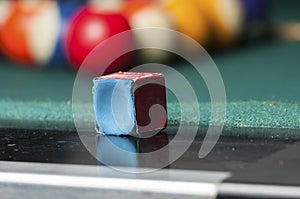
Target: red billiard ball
pixel 90 26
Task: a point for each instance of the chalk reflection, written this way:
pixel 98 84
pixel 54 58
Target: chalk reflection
pixel 129 151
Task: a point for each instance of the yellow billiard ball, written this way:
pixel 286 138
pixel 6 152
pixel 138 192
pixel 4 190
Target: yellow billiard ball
pixel 188 19
pixel 225 19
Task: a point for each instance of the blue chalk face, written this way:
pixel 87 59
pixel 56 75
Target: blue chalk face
pixel 114 106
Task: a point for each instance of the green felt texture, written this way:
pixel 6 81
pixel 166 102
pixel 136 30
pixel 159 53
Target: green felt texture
pixel 28 84
pixel 36 115
pixel 282 11
pixel 262 115
pixel 262 71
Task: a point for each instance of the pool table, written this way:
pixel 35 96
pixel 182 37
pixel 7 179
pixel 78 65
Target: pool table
pixel 258 150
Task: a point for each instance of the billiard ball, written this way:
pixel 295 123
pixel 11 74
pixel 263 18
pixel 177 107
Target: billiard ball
pixel 32 31
pixel 225 19
pixel 66 9
pixel 88 27
pixel 47 33
pixel 15 29
pixel 148 14
pixel 188 19
pixel 43 31
pixel 129 8
pixel 255 10
pixel 4 10
pixel 255 24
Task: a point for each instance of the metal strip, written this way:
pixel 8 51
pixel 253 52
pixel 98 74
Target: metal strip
pixel 258 191
pixel 49 179
pixel 150 186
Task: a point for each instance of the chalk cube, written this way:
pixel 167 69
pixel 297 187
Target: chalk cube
pixel 127 103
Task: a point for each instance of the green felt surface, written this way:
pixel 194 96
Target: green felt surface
pixel 255 75
pixel 50 115
pixel 265 70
